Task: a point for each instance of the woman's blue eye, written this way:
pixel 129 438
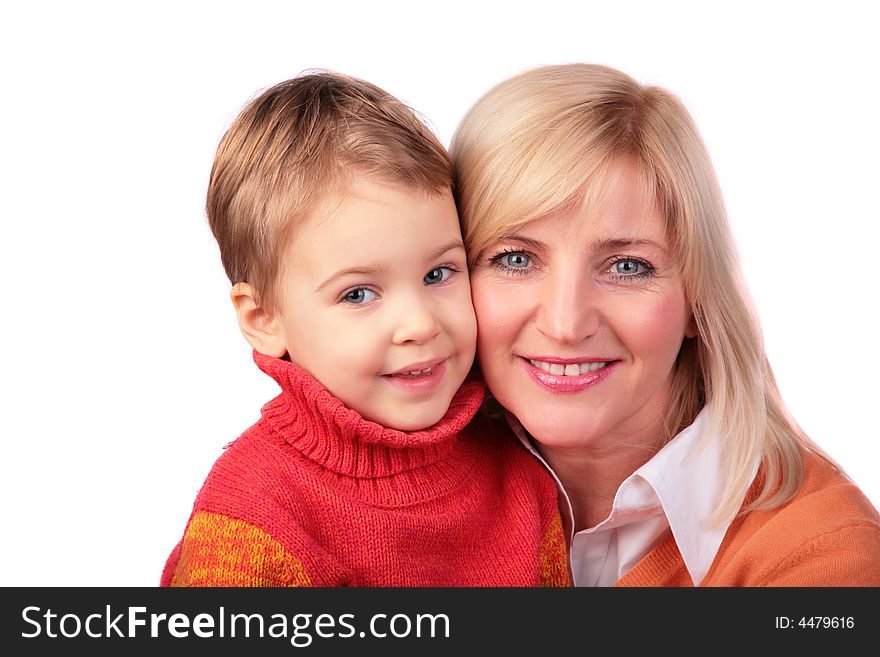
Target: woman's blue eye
pixel 516 260
pixel 359 295
pixel 512 262
pixel 627 267
pixel 628 270
pixel 437 275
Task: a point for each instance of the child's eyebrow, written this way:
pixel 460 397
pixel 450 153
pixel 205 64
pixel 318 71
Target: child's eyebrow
pixel 363 271
pixel 372 271
pixel 449 246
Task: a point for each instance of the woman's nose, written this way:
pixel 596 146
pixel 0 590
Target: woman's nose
pixel 567 308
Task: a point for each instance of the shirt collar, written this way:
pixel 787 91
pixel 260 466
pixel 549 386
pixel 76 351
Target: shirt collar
pixel 683 481
pixel 686 477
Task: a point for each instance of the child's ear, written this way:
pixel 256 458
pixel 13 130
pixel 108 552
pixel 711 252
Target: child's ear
pixel 260 327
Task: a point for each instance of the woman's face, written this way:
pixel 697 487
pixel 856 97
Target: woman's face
pixel 581 315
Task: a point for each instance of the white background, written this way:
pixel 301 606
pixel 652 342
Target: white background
pixel 123 370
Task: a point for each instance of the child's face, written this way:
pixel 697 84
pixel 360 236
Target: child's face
pixel 374 302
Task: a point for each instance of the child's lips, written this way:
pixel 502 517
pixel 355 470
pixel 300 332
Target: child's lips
pixel 423 377
pixel 417 369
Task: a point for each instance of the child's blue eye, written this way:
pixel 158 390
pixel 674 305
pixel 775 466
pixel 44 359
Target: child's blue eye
pixel 358 295
pixel 438 275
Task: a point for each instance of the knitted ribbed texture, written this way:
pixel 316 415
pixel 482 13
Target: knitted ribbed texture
pixel 828 535
pixel 339 440
pixel 314 495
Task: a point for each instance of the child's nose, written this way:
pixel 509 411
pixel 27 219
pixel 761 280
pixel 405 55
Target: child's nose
pixel 416 322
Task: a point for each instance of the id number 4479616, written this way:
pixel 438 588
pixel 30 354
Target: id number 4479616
pixel 815 622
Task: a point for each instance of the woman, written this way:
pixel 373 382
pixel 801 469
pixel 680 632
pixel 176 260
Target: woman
pixel 616 331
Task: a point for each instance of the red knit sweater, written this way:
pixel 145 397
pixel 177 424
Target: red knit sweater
pixel 314 495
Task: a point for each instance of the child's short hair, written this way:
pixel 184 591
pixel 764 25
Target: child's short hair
pixel 295 143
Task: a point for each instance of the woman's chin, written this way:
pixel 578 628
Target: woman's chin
pixel 559 429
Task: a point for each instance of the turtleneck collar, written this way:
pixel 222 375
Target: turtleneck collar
pixel 314 422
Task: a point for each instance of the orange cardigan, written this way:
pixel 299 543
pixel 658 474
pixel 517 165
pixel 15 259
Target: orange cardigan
pixel 827 535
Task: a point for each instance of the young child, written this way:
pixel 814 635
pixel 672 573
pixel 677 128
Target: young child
pixel 331 203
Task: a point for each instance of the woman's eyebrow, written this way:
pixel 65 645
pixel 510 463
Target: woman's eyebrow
pixel 608 244
pixel 626 242
pixel 525 241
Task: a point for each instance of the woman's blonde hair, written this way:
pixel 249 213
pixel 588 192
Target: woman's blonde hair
pixel 549 137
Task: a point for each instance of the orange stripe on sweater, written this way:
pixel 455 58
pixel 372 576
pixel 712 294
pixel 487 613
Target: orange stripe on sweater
pixel 221 551
pixel 554 556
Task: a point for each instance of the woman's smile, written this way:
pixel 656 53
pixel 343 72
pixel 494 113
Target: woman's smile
pixel 567 375
pixel 588 302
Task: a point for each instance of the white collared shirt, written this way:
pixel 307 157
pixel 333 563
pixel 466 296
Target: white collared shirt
pixel 676 490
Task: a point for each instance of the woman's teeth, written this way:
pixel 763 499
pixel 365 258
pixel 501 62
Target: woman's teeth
pixel 572 369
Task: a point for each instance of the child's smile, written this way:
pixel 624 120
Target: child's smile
pixel 375 302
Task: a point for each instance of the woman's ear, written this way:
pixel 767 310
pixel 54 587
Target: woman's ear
pixel 690 329
pixel 261 328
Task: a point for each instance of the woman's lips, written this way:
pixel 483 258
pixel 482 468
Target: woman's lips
pixel 566 375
